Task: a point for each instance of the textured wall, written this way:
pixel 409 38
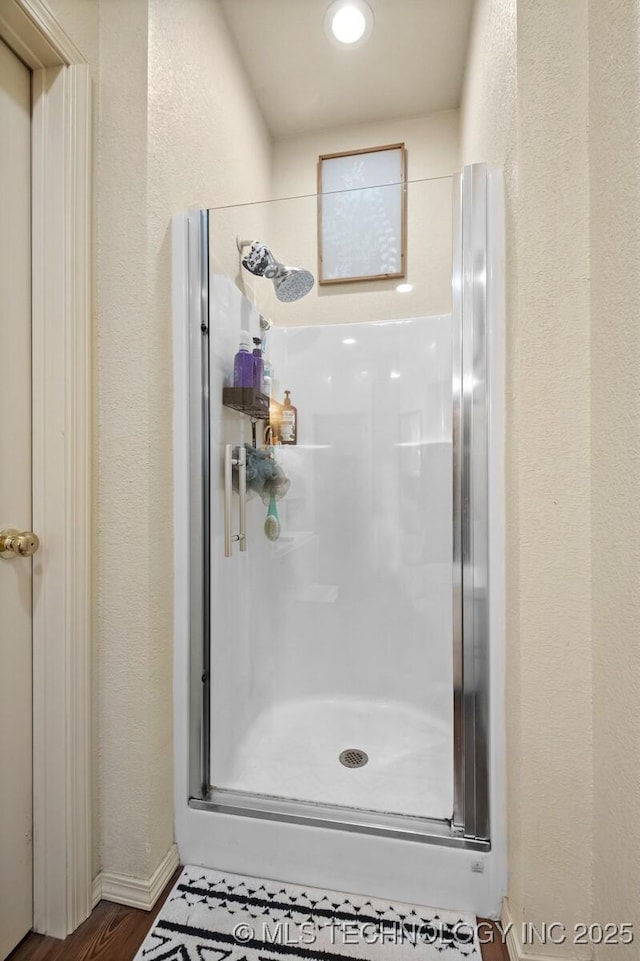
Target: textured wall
pixel 525 105
pixel 615 348
pixel 169 135
pixel 549 617
pixel 208 144
pixel 132 637
pixel 574 733
pixel 432 149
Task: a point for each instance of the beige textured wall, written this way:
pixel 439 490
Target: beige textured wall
pixel 551 757
pixel 432 149
pixel 615 412
pixel 526 105
pixel 169 134
pixel 132 638
pixel 432 152
pixel 555 94
pixel 208 142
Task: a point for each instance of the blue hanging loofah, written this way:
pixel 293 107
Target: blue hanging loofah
pixel 265 477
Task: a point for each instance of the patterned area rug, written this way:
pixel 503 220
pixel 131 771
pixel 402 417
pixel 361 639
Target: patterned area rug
pixel 217 916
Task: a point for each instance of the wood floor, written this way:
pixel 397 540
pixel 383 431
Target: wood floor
pixel 114 933
pixel 494 949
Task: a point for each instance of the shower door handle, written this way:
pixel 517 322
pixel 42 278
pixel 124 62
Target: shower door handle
pixel 229 463
pixel 242 488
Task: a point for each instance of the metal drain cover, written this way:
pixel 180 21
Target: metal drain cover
pixel 353 757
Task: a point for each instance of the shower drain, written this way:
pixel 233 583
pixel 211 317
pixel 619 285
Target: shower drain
pixel 353 757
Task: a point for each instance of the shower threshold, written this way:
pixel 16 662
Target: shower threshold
pixel 426 830
pixel 325 760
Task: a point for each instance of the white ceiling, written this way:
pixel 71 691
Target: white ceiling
pixel 412 64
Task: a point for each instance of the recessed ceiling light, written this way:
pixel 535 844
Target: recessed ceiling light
pixel 349 340
pixel 404 288
pixel 349 22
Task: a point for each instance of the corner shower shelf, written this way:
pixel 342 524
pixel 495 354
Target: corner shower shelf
pixel 247 400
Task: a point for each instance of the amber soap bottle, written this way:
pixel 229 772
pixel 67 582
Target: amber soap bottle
pixel 289 422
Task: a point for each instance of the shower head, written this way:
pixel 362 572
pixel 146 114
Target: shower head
pixel 291 283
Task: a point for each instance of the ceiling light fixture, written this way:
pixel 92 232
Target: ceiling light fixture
pixel 349 22
pixel 404 288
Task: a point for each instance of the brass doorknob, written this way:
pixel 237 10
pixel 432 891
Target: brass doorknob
pixel 18 543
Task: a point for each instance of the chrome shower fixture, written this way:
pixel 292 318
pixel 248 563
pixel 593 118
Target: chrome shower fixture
pixel 291 283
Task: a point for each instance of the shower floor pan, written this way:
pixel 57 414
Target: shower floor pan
pixel 293 751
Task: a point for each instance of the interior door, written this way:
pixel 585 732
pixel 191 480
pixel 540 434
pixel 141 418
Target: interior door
pixel 16 808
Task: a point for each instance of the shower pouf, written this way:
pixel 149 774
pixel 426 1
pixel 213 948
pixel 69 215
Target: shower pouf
pixel 265 477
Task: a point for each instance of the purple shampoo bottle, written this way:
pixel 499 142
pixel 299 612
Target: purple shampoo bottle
pixel 243 362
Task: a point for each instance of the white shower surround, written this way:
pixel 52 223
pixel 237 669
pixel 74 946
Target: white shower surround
pixel 348 860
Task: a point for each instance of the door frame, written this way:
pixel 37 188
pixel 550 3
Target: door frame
pixel 61 373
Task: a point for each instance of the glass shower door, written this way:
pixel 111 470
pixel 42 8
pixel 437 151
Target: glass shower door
pixel 347 658
pixel 331 681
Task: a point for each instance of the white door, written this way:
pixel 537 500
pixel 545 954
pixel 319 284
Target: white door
pixel 16 881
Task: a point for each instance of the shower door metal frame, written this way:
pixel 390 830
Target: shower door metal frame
pixel 469 824
pixel 470 394
pixel 199 504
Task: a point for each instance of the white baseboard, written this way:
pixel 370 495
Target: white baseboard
pixel 136 892
pixel 514 947
pixel 96 890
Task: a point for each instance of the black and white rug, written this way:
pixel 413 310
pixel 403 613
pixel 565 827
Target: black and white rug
pixel 217 916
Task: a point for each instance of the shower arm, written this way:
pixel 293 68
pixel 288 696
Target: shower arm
pixel 270 271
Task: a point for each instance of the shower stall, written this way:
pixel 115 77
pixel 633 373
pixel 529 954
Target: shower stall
pixel 338 693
